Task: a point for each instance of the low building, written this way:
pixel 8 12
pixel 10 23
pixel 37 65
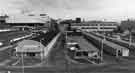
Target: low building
pixel 95 26
pixel 29 48
pixel 37 46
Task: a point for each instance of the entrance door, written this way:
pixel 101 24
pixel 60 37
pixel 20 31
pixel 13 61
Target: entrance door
pixel 119 53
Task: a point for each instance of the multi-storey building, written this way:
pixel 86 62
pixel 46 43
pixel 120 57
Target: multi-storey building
pixel 95 26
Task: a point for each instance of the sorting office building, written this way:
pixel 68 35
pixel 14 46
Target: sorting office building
pixel 95 26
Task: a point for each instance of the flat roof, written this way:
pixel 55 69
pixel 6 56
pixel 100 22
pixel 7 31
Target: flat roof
pixel 111 44
pixel 26 19
pixel 133 44
pixel 115 46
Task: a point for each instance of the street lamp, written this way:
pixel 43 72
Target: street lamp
pixel 102 50
pixel 67 63
pixel 130 36
pixel 42 50
pixel 130 40
pixel 102 44
pixel 22 63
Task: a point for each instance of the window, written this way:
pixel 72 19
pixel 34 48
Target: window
pixel 85 53
pixel 119 53
pixel 89 27
pixel 30 54
pixel 78 54
pixel 106 28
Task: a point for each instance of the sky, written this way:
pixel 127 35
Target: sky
pixel 87 9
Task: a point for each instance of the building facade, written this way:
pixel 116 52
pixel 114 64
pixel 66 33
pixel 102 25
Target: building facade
pixel 95 26
pixel 3 19
pixel 78 20
pixel 30 20
pixel 29 48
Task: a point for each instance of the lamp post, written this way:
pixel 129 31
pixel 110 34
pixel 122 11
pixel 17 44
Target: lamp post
pixel 42 50
pixel 102 50
pixel 22 64
pixel 102 44
pixel 67 63
pixel 130 36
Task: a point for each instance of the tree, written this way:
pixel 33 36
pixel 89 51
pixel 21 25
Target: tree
pixel 126 25
pixel 54 25
pixel 118 30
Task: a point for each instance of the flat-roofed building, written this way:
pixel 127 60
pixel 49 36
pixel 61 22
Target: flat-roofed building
pixel 95 26
pixel 24 20
pixel 29 48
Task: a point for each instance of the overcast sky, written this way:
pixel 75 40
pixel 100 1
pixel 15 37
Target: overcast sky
pixel 88 9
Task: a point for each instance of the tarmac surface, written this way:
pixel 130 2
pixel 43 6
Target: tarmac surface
pixel 58 62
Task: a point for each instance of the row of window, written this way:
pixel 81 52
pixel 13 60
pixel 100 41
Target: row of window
pixel 95 28
pixel 93 24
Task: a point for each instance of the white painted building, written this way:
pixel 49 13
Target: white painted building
pixel 95 26
pixel 35 48
pixel 29 48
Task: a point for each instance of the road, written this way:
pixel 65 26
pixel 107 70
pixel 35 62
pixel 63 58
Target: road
pixel 6 36
pixel 12 34
pixel 57 62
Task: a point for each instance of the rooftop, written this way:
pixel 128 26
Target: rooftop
pixel 27 19
pixel 29 46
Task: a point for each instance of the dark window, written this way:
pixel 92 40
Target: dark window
pixel 30 54
pixel 78 53
pixel 85 53
pixel 107 27
pixel 119 53
pixel 77 46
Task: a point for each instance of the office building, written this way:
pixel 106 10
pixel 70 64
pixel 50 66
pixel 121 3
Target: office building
pixel 95 26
